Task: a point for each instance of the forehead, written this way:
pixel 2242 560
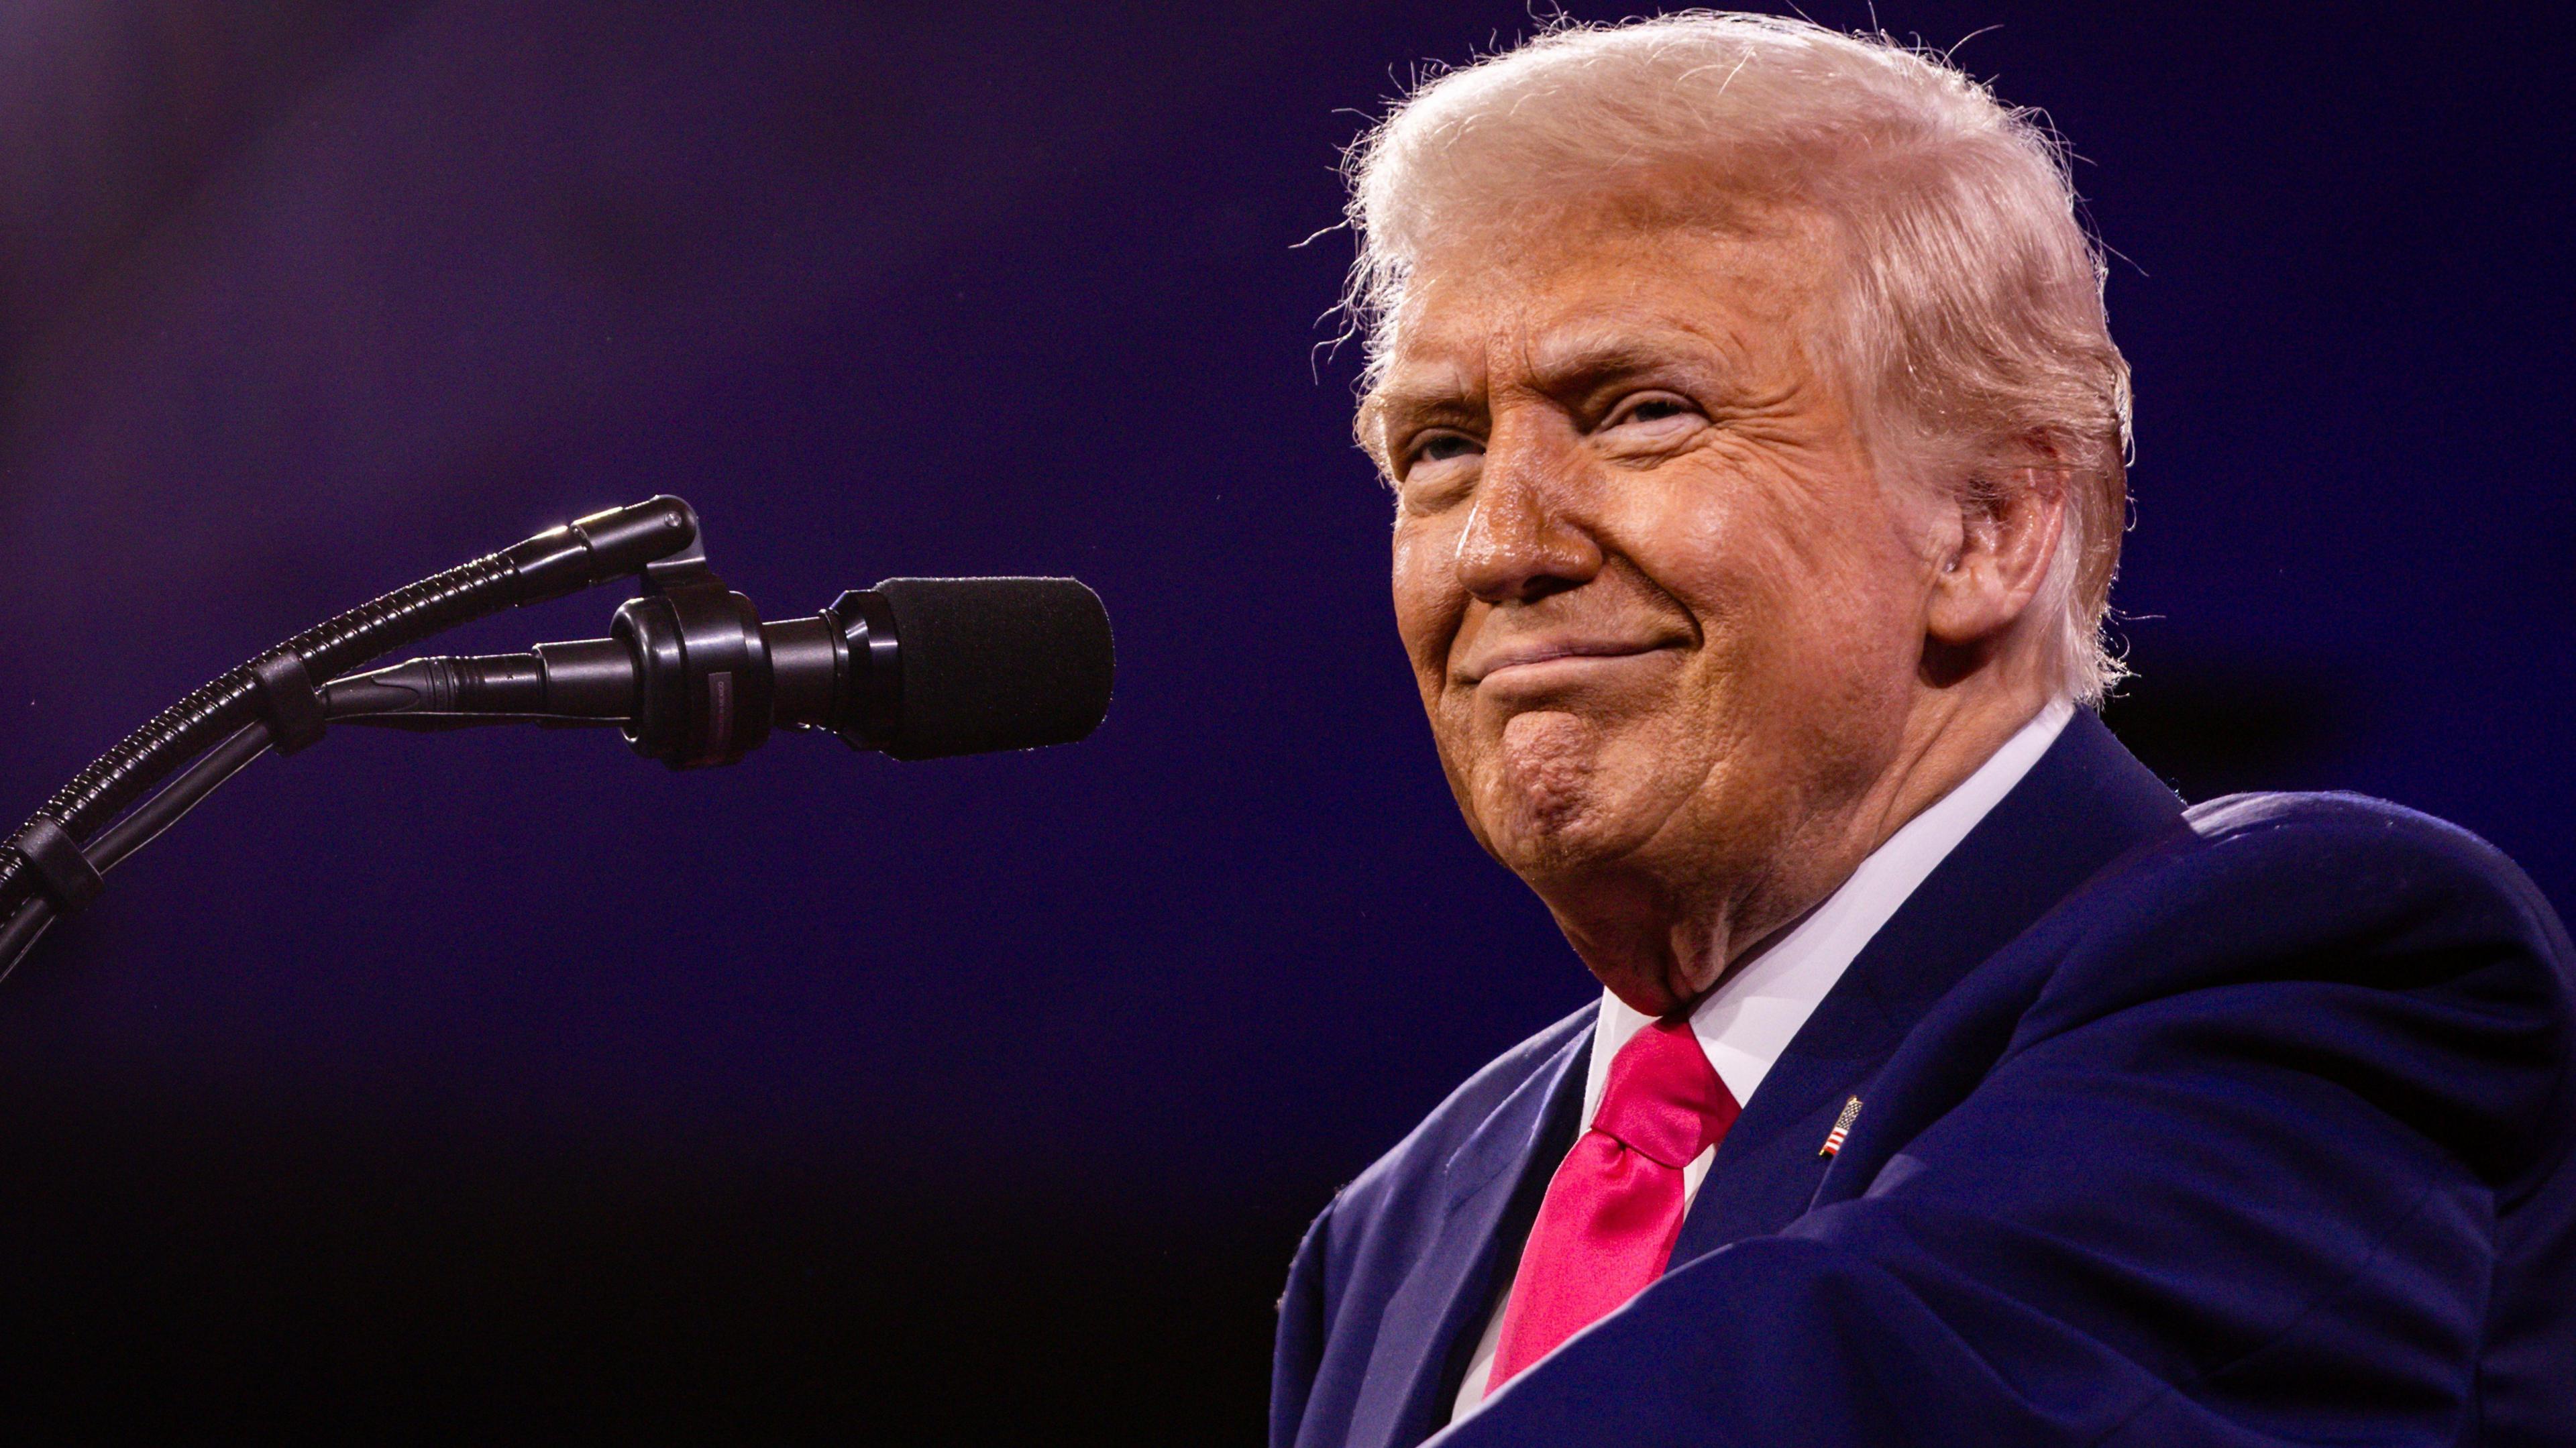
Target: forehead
pixel 1513 307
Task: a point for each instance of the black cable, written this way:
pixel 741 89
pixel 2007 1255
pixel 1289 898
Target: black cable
pixel 180 795
pixel 550 565
pixel 235 717
pixel 217 708
pixel 119 842
pixel 184 792
pixel 22 930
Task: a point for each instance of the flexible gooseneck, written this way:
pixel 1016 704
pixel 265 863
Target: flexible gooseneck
pixel 559 561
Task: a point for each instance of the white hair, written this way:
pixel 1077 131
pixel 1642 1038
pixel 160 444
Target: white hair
pixel 1969 320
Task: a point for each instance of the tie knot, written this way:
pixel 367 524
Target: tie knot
pixel 1664 1100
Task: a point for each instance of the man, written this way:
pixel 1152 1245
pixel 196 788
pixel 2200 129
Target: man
pixel 1757 442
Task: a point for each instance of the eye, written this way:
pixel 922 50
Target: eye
pixel 1440 447
pixel 1655 412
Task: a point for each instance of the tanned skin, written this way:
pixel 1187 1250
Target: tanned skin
pixel 1689 651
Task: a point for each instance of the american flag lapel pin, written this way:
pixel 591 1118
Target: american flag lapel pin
pixel 1842 1128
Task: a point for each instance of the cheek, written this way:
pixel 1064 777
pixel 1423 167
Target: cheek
pixel 1708 540
pixel 1767 554
pixel 1428 599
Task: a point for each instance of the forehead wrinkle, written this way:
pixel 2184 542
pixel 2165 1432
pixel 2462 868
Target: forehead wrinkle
pixel 1675 279
pixel 1610 348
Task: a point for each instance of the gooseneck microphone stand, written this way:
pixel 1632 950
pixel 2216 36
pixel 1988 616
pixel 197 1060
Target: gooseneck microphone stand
pixel 53 864
pixel 690 673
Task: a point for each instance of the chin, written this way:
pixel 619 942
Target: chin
pixel 1560 796
pixel 1560 824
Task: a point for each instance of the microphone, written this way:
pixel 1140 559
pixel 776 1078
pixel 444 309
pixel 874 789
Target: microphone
pixel 916 668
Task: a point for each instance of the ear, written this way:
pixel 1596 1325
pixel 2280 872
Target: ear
pixel 1992 567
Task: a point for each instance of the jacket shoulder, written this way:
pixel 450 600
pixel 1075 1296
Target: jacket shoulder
pixel 2318 887
pixel 2343 821
pixel 2364 860
pixel 2390 951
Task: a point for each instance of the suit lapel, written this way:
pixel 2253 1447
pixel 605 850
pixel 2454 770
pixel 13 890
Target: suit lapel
pixel 2083 804
pixel 1491 1186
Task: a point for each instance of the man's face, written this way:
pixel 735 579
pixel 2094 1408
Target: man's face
pixel 1664 617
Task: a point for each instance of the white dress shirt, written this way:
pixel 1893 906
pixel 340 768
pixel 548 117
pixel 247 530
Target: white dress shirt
pixel 1748 1020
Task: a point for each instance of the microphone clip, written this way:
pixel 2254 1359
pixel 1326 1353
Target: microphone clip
pixel 703 674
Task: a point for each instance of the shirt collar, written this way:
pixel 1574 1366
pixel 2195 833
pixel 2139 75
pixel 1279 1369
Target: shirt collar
pixel 1749 1019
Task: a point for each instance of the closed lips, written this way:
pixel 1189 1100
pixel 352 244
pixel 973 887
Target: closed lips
pixel 1547 651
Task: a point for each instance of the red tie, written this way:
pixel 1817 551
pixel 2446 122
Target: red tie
pixel 1607 1226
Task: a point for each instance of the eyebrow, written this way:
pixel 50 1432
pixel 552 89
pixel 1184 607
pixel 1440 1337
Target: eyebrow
pixel 1425 403
pixel 1587 364
pixel 1580 366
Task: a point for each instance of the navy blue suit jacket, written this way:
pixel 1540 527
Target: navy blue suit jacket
pixel 2247 1124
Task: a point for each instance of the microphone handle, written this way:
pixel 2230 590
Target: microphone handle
pixel 836 671
pixel 585 679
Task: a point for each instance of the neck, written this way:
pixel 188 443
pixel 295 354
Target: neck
pixel 1660 934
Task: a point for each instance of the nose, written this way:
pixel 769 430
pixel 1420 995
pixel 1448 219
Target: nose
pixel 1522 542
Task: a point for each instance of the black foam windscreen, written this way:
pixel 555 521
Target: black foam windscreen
pixel 997 663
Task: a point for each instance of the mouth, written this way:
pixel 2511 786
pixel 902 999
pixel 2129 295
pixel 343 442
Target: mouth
pixel 1540 662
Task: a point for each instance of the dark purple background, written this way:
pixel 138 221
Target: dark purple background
pixel 505 1078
